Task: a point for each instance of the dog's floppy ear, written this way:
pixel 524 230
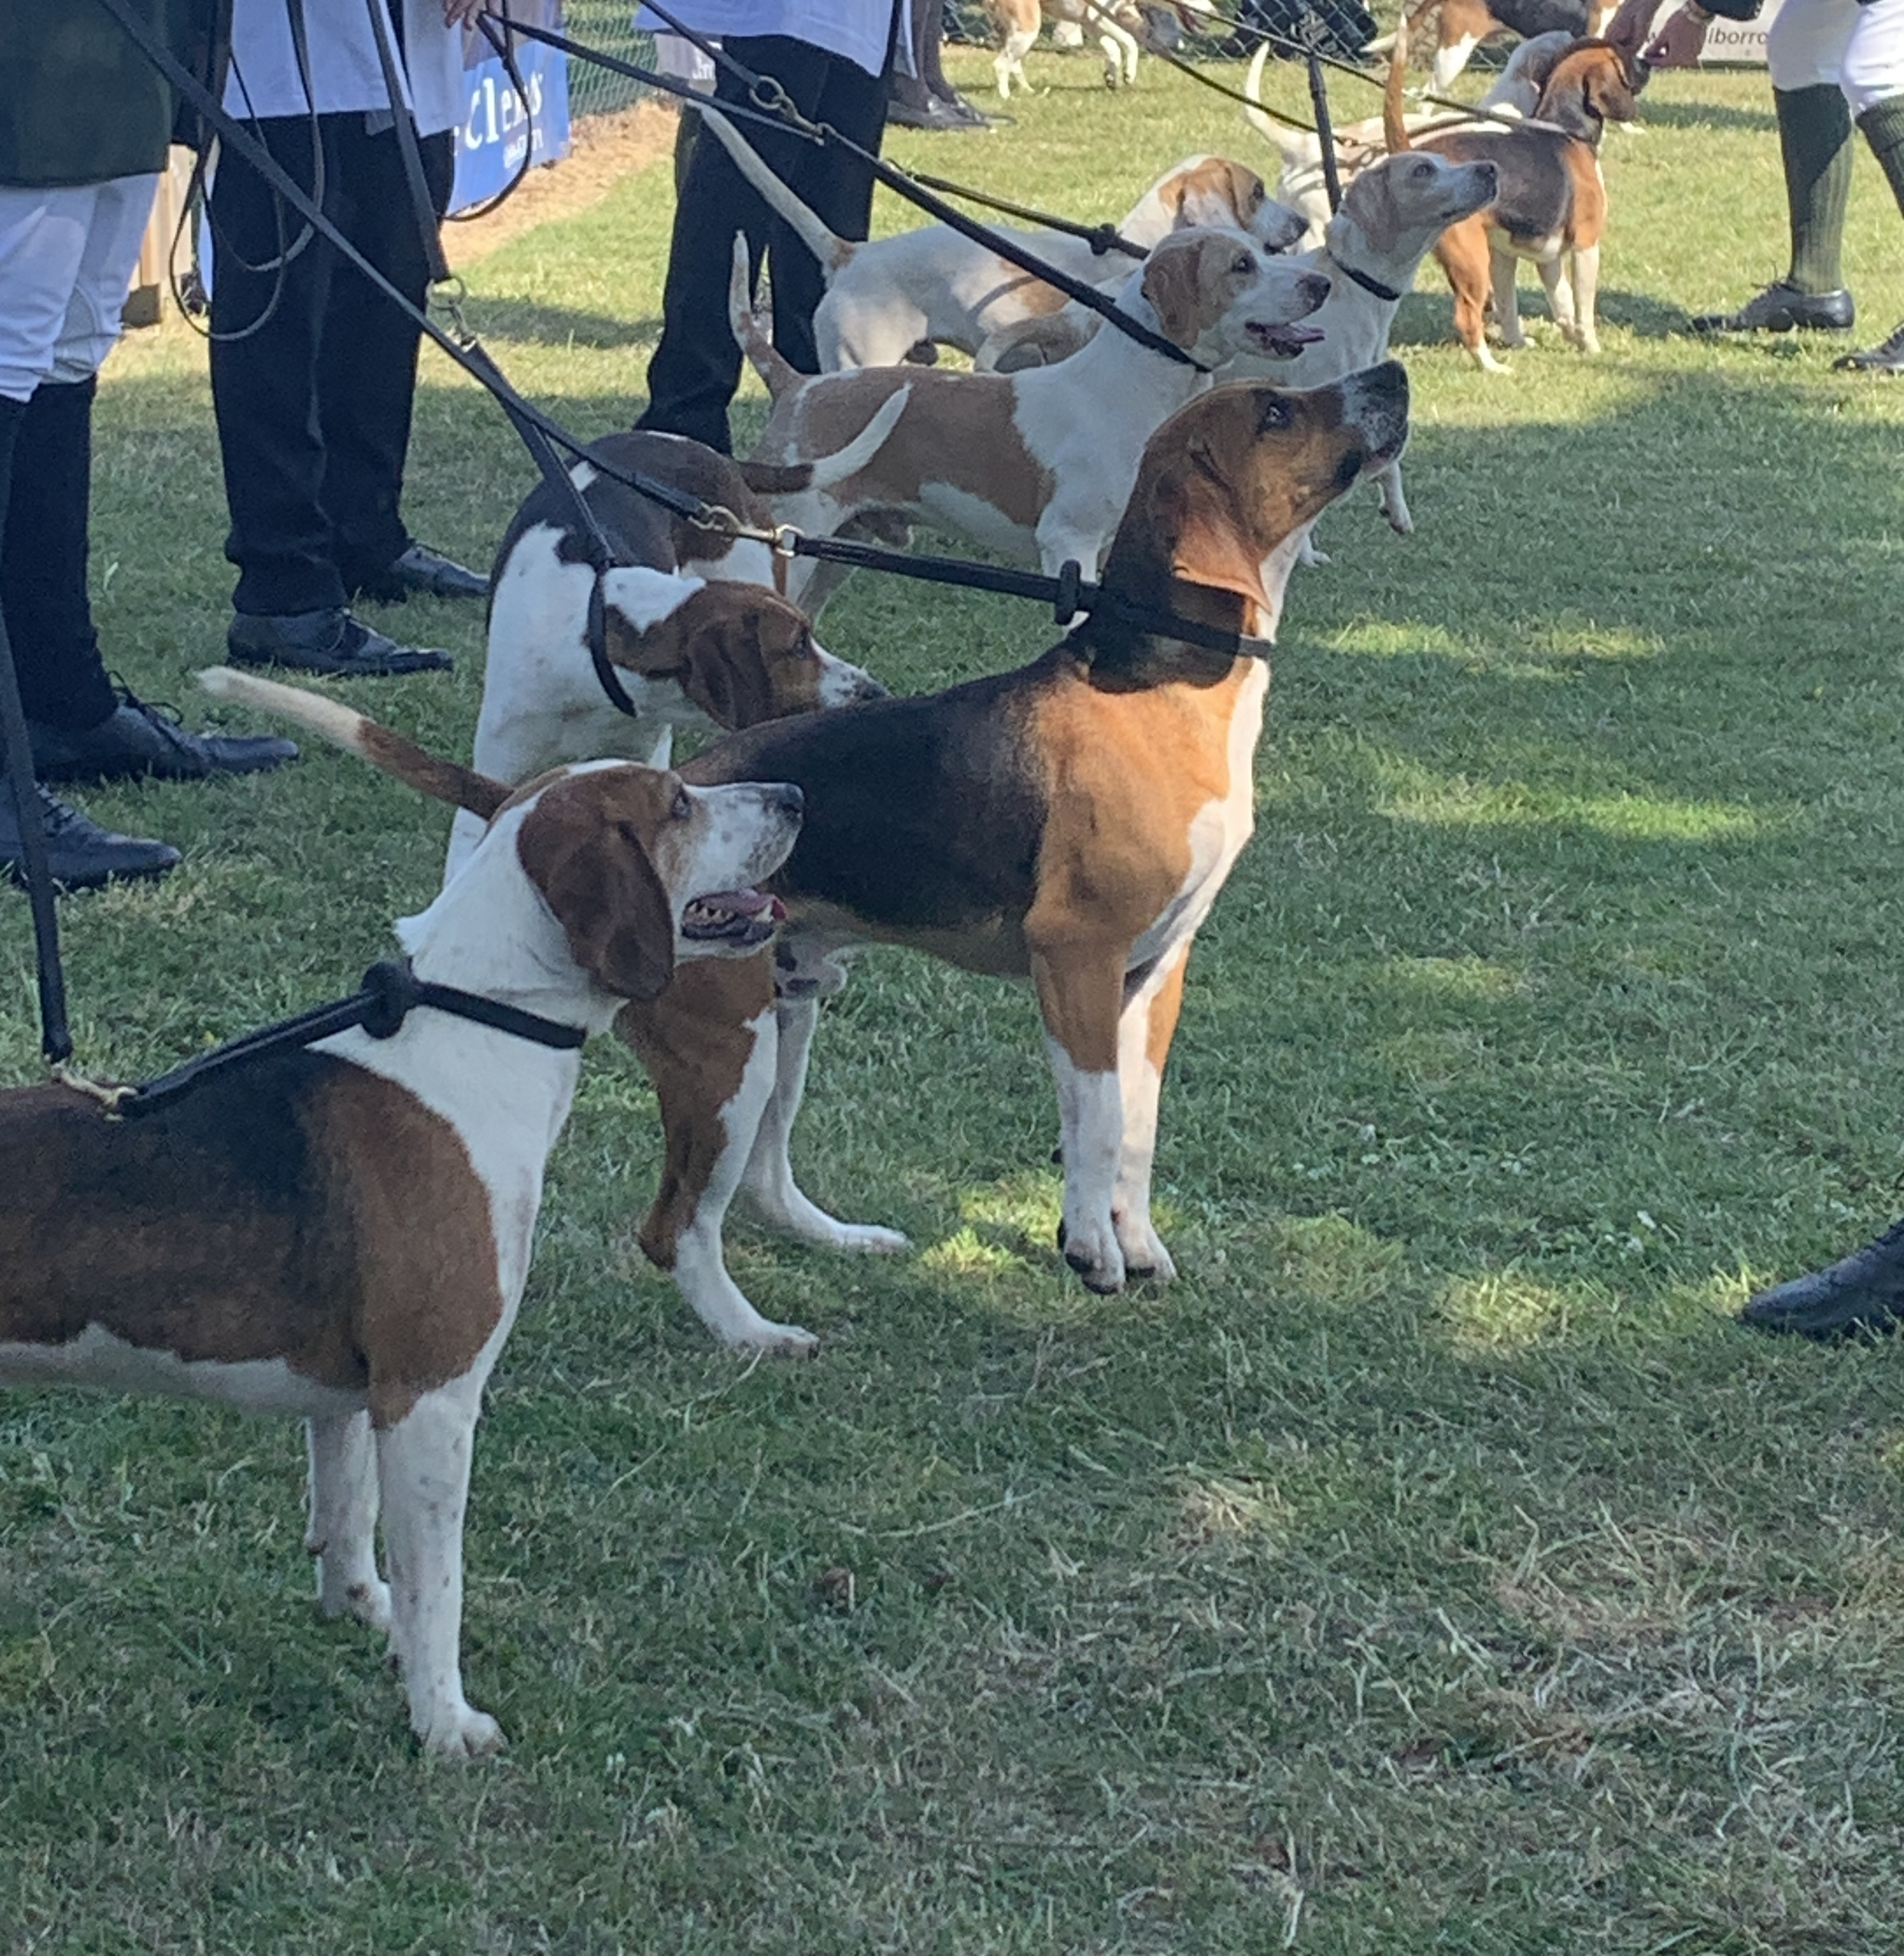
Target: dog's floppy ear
pixel 1248 192
pixel 584 845
pixel 1170 284
pixel 1607 93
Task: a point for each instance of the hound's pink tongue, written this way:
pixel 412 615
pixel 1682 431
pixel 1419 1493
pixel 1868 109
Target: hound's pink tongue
pixel 1287 340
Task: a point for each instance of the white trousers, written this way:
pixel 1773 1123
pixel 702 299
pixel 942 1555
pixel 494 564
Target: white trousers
pixel 67 257
pixel 1861 49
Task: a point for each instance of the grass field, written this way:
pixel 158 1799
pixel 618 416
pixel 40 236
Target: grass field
pixel 1435 1567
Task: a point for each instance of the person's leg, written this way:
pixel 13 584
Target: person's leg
pixel 693 375
pixel 82 729
pixel 837 187
pixel 1805 49
pixel 1873 81
pixel 270 297
pixel 366 373
pixel 268 301
pixel 43 235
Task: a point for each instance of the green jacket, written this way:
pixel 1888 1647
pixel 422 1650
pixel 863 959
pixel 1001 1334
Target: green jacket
pixel 78 103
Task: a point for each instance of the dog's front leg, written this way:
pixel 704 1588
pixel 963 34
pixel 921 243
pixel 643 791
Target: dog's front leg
pixel 769 1180
pixel 342 1531
pixel 423 1471
pixel 710 1045
pixel 1153 999
pixel 1081 996
pixel 1394 504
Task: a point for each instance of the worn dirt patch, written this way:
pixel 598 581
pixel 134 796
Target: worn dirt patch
pixel 605 149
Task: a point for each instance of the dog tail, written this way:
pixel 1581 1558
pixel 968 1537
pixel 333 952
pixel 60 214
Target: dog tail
pixel 354 732
pixel 1394 126
pixel 832 250
pixel 1287 141
pixel 761 355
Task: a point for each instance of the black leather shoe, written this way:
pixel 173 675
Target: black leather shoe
pixel 1783 308
pixel 80 854
pixel 1864 1291
pixel 424 571
pixel 938 113
pixel 1888 358
pixel 136 740
pixel 332 642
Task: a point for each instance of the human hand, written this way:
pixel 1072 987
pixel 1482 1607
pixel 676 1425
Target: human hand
pixel 460 13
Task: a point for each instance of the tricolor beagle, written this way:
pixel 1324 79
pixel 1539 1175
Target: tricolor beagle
pixel 696 629
pixel 1071 822
pixel 1552 205
pixel 1464 24
pixel 1039 464
pixel 931 284
pixel 343 1233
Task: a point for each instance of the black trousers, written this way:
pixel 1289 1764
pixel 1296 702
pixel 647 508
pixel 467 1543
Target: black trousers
pixel 313 397
pixel 697 366
pixel 44 525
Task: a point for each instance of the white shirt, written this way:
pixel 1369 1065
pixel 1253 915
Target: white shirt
pixel 346 75
pixel 859 29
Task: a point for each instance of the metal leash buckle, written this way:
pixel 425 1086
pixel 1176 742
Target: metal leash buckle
pixel 446 295
pixel 786 541
pixel 719 516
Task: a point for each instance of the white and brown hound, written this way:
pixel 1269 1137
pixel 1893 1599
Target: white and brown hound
pixel 342 1233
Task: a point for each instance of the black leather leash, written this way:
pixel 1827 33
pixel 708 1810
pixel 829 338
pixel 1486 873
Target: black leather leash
pixel 1101 238
pixel 767 96
pixel 55 1040
pixel 390 992
pixel 543 436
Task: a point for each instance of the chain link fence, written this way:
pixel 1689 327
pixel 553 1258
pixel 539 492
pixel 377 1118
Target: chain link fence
pixel 608 25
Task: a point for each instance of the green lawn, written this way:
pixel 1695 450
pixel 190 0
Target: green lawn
pixel 1435 1567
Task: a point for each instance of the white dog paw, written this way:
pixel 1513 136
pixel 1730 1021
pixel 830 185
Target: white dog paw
pixel 1145 1258
pixel 461 1732
pixel 1090 1247
pixel 869 1239
pixel 778 1341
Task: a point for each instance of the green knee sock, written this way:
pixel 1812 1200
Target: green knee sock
pixel 1815 137
pixel 1882 124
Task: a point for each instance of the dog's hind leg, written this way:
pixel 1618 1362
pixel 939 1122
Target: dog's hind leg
pixel 1586 290
pixel 1144 1034
pixel 1560 296
pixel 769 1181
pixel 341 1534
pixel 1503 268
pixel 1008 65
pixel 709 1043
pixel 423 1471
pixel 1394 504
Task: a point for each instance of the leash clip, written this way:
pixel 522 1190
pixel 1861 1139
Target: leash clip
pixel 785 540
pixel 447 296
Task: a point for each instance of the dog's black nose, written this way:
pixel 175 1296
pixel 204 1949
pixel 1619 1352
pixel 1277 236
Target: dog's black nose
pixel 869 688
pixel 788 798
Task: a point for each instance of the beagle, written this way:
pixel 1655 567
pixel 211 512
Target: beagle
pixel 932 285
pixel 1039 464
pixel 1551 206
pixel 697 628
pixel 1464 24
pixel 1391 215
pixel 342 1233
pixel 1302 185
pixel 1115 24
pixel 1071 822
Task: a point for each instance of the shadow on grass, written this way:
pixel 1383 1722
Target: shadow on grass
pixel 1704 115
pixel 1427 318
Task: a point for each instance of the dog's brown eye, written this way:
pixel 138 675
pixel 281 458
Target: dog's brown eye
pixel 1243 265
pixel 1423 170
pixel 683 807
pixel 1276 413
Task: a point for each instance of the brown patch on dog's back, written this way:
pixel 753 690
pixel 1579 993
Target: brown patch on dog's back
pixel 303 1210
pixel 957 429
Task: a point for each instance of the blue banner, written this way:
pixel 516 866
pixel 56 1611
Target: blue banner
pixel 495 130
